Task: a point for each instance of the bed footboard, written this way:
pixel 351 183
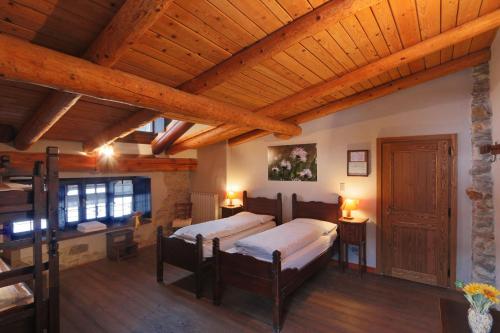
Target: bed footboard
pixel 180 253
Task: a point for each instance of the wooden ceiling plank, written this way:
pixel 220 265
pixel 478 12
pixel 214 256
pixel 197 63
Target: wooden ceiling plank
pixel 449 12
pixel 383 15
pixel 485 39
pixel 406 18
pixel 275 43
pixel 428 46
pixel 468 10
pixel 278 11
pixel 300 54
pixel 319 52
pixel 429 17
pixel 173 50
pixel 296 8
pixel 189 39
pixel 296 67
pixel 369 95
pixel 282 85
pixel 132 20
pixel 237 16
pixel 216 19
pixel 191 21
pixel 285 82
pixel 281 70
pixel 259 14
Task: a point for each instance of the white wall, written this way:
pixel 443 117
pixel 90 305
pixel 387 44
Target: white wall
pixel 438 107
pixel 495 105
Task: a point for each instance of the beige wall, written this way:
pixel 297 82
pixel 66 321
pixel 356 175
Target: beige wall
pixel 166 189
pixel 495 104
pixel 438 107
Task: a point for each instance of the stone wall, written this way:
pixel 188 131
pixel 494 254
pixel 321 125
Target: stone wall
pixel 166 189
pixel 481 192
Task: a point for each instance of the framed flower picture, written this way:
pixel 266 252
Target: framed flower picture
pixel 292 163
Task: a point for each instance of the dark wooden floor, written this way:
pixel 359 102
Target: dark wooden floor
pixel 106 296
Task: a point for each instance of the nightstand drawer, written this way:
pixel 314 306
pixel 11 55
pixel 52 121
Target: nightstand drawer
pixel 352 232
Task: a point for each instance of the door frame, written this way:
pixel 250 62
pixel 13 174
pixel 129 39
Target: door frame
pixel 452 138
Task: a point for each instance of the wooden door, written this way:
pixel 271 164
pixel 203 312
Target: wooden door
pixel 416 208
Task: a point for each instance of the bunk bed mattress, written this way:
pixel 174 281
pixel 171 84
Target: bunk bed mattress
pixel 14 295
pixel 302 257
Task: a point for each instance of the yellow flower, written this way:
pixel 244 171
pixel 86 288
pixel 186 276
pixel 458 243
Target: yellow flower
pixel 486 290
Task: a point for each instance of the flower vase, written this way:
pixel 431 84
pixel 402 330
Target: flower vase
pixel 479 322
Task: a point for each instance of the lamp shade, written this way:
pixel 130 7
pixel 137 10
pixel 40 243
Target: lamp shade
pixel 350 204
pixel 230 195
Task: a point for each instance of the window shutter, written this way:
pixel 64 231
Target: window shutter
pixel 142 196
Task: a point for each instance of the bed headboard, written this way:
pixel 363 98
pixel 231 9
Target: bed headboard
pixel 266 206
pixel 330 212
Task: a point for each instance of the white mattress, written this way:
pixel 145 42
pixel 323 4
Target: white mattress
pixel 305 255
pixel 228 242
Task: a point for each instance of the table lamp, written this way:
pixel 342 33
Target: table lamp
pixel 230 195
pixel 349 205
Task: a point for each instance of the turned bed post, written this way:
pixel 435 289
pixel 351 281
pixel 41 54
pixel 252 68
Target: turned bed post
pixel 217 281
pixel 279 209
pixel 277 295
pixel 159 254
pixel 198 266
pixel 39 200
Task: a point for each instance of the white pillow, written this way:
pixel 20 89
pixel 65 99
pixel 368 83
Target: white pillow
pixel 326 227
pixel 263 218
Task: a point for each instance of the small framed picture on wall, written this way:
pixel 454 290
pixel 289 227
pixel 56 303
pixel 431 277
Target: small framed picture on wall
pixel 358 163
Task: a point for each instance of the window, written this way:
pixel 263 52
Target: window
pixel 122 201
pixel 108 200
pixel 95 201
pixel 26 226
pixel 156 126
pixel 72 203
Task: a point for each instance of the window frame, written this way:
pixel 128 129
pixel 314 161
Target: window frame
pixel 81 183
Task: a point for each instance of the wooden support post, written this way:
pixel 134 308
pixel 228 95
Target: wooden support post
pixel 159 254
pixel 198 272
pixel 217 279
pixel 39 199
pixel 52 237
pixel 277 294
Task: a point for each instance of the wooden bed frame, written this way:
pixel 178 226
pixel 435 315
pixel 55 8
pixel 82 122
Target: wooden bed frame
pixel 189 256
pixel 266 278
pixel 41 201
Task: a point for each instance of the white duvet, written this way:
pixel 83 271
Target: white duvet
pixel 223 227
pixel 287 238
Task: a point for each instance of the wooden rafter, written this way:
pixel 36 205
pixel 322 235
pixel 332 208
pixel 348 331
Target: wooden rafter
pixel 464 32
pixel 307 25
pixel 133 19
pixel 237 137
pixel 25 62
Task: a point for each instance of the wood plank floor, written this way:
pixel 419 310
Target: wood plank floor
pixel 106 296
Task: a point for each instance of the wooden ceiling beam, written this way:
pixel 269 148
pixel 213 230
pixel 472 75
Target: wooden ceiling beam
pixel 307 25
pixel 22 163
pixel 463 32
pixel 133 19
pixel 7 133
pixel 457 65
pixel 26 62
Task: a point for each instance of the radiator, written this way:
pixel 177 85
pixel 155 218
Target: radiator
pixel 205 206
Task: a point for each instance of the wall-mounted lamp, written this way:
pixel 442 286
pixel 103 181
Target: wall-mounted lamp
pixel 349 205
pixel 106 151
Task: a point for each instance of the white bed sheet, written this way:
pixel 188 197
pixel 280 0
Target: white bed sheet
pixel 228 242
pixel 305 255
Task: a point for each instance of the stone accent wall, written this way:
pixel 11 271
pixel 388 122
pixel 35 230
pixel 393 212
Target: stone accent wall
pixel 481 192
pixel 166 188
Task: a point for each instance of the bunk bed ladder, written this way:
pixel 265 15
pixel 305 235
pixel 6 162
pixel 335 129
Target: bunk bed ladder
pixel 38 213
pixel 52 231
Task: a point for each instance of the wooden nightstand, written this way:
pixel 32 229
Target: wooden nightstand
pixel 227 211
pixel 353 232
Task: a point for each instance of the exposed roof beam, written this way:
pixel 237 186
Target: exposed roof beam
pixel 165 139
pixel 7 133
pixel 25 62
pixel 133 19
pixel 307 25
pixel 369 95
pixel 466 31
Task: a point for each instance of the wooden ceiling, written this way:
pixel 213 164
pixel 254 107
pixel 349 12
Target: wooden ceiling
pixel 195 35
